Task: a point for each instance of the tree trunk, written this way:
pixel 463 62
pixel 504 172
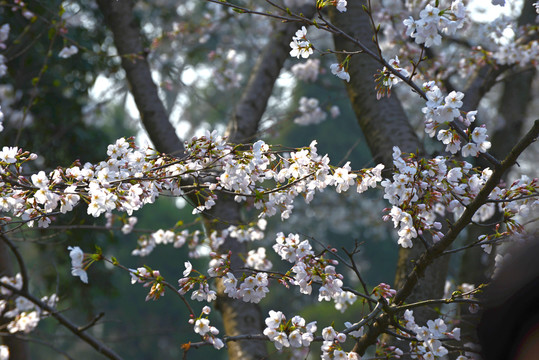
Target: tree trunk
pixel 513 105
pixel 238 317
pixel 384 125
pixel 127 39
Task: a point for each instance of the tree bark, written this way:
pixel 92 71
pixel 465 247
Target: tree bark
pixel 238 317
pixel 127 39
pixel 244 124
pixel 384 125
pixel 512 109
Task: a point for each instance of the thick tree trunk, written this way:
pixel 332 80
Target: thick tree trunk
pixel 384 125
pixel 244 124
pixel 127 39
pixel 238 317
pixel 516 96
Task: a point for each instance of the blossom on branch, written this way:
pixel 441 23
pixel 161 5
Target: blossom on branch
pixel 300 45
pixel 77 265
pixel 339 71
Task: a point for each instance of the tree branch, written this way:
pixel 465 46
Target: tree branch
pixel 92 341
pixel 437 249
pixel 245 121
pixel 126 31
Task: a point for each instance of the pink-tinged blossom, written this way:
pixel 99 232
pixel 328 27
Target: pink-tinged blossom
pixel 280 340
pixel 339 71
pixel 295 339
pixel 470 149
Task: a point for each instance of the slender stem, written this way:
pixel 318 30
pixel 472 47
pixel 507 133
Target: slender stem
pixel 20 261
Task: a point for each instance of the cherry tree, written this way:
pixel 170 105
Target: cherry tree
pixel 404 65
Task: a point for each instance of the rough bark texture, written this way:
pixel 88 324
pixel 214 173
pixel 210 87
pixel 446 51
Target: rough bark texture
pixel 384 125
pixel 383 121
pixel 127 39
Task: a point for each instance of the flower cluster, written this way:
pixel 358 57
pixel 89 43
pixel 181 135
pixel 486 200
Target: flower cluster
pixel 332 348
pixel 384 290
pixel 309 269
pixel 443 110
pixel 431 20
pixel 132 177
pixel 307 71
pixel 515 53
pixel 418 191
pixel 4 34
pixel 203 293
pixel 300 45
pixel 427 344
pixel 205 330
pixel 149 277
pixel 253 288
pixel 226 76
pixel 311 113
pixel 293 333
pixel 422 189
pixel 146 244
pixel 256 259
pixel 23 315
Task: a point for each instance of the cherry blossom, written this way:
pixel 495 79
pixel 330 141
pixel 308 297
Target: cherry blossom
pixel 68 51
pixel 300 45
